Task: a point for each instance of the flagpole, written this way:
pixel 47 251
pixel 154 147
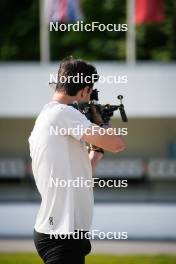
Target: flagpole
pixel 131 33
pixel 44 33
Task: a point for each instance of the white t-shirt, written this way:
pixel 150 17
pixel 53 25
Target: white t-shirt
pixel 57 160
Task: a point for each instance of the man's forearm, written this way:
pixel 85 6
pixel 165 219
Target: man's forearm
pixel 95 157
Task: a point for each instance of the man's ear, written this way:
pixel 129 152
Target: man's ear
pixel 87 89
pixel 82 92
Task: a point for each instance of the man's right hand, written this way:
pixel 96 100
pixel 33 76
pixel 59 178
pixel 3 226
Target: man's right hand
pixel 96 117
pixel 110 142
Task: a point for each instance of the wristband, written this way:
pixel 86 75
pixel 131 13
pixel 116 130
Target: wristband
pixel 97 149
pixel 100 150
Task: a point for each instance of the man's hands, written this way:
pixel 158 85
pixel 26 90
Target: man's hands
pixel 97 119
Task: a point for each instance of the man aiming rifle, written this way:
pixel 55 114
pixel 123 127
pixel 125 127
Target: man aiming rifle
pixel 64 211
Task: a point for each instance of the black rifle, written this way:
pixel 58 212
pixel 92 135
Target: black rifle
pixel 106 110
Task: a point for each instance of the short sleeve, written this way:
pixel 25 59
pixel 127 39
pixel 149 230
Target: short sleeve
pixel 73 122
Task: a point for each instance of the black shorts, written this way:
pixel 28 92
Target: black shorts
pixel 62 251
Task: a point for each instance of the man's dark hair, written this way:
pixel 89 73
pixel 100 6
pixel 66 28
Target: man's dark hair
pixel 71 67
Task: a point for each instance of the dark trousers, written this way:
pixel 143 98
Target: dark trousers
pixel 62 251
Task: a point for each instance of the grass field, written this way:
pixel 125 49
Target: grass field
pixel 32 258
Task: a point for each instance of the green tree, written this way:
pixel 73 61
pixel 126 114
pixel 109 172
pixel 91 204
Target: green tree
pixel 20 34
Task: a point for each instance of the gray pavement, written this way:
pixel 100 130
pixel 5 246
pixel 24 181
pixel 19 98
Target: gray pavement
pixel 105 247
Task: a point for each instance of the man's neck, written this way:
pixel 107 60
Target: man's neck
pixel 63 98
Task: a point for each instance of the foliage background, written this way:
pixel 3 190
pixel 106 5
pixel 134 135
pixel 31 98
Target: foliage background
pixel 20 33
